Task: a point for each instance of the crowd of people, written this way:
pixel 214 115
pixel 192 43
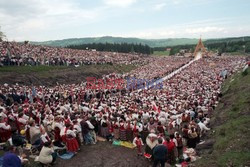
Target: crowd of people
pixel 18 54
pixel 67 116
pixel 159 67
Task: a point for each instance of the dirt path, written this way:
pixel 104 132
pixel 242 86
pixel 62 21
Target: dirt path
pixel 104 154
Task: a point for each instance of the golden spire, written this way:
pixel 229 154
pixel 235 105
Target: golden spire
pixel 199 47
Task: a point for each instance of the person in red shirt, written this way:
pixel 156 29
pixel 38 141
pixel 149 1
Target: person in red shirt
pixel 170 147
pixel 138 143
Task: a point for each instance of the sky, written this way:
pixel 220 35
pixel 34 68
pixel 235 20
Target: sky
pixel 42 20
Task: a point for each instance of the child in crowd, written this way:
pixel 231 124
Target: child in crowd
pixel 138 143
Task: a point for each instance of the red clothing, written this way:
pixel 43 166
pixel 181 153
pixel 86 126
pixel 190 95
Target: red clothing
pixel 122 127
pixel 160 129
pixel 111 129
pixel 64 136
pixel 135 129
pixel 138 143
pixel 170 145
pixel 57 134
pixel 67 121
pixel 71 143
pixel 129 127
pixel 184 164
pixel 5 134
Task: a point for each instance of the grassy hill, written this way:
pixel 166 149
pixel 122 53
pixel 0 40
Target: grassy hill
pixel 109 39
pixel 230 126
pixel 150 42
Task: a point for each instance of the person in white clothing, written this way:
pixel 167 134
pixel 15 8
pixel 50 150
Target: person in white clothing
pixel 203 127
pixel 92 131
pixel 47 154
pixel 78 130
pixel 5 126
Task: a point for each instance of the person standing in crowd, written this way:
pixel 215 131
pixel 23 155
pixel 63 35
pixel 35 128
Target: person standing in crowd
pixel 71 141
pixel 86 131
pixel 35 133
pixel 138 143
pixel 179 145
pixel 160 154
pixel 105 128
pixel 170 145
pixel 151 142
pixel 192 138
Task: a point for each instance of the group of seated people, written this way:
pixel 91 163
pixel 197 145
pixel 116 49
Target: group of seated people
pixel 67 116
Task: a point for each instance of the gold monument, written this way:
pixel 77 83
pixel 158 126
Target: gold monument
pixel 200 50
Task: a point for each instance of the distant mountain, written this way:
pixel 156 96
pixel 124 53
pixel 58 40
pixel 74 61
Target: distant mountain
pixel 109 39
pixel 150 42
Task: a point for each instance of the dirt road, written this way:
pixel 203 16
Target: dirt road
pixel 104 154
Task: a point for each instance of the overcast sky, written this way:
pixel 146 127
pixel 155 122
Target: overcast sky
pixel 40 20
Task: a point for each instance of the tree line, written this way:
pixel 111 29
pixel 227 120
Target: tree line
pixel 115 47
pixel 1 35
pixel 242 46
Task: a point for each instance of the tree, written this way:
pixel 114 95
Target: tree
pixel 132 49
pixel 1 35
pixel 247 47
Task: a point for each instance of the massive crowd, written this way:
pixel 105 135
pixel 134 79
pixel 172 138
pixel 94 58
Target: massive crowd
pixel 70 115
pixel 159 67
pixel 18 54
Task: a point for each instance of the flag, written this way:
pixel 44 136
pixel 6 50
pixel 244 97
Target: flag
pixel 155 107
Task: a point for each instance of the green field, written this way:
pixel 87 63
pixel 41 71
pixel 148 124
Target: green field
pixel 161 53
pixel 51 75
pixel 42 68
pixel 27 69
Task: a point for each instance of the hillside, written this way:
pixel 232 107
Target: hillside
pixel 229 144
pixel 51 75
pixel 109 39
pixel 150 42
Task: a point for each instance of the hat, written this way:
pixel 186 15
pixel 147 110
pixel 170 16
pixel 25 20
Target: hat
pixel 152 135
pixel 22 132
